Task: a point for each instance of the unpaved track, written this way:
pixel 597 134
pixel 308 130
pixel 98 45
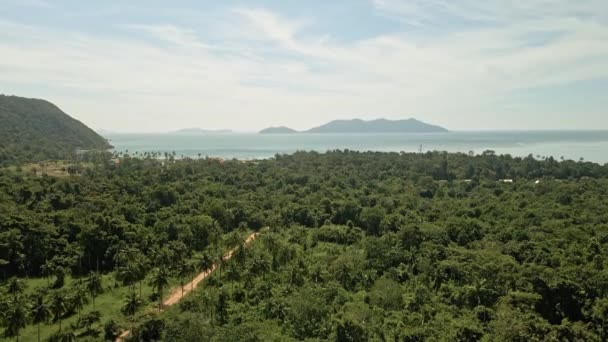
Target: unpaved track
pixel 175 295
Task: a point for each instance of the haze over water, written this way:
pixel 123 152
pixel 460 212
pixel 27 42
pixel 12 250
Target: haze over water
pixel 590 145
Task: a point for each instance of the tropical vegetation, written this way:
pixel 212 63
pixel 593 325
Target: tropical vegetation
pixel 361 246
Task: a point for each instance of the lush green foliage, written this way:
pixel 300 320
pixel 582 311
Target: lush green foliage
pixel 362 246
pixel 34 130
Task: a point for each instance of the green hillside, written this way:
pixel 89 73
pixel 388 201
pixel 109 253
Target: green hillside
pixel 34 130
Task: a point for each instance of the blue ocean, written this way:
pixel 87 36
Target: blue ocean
pixel 588 145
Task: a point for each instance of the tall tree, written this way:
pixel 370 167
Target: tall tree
pixel 192 267
pixel 15 287
pixel 58 306
pixel 94 285
pixel 16 316
pixel 159 280
pixel 79 297
pixel 233 274
pixel 128 275
pixel 141 266
pixel 184 270
pixel 240 255
pixel 220 262
pixel 271 243
pixel 41 313
pixel 132 304
pixel 234 239
pixel 260 265
pixel 47 270
pixel 205 263
pixel 221 308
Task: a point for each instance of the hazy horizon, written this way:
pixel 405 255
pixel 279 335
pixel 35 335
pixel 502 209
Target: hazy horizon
pixel 103 131
pixel 144 67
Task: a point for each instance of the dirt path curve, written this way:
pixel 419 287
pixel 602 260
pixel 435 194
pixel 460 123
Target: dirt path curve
pixel 175 294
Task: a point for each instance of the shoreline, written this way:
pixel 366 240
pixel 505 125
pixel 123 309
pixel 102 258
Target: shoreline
pixel 260 158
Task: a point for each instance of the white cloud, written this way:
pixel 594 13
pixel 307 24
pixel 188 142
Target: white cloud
pixel 259 68
pixel 499 12
pixel 30 3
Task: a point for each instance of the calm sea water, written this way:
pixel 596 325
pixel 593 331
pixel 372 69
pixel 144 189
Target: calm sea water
pixel 590 145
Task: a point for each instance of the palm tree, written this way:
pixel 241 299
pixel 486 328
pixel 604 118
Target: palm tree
pixel 206 263
pixel 47 269
pixel 128 268
pixel 343 275
pixel 141 266
pixel 248 278
pixel 16 287
pixel 16 316
pixel 221 308
pixel 316 275
pixel 58 306
pixel 192 268
pixel 208 303
pixel 233 274
pixel 131 305
pixel 79 298
pixel 68 337
pixel 220 262
pixel 163 257
pixel 259 265
pixel 94 285
pixel 59 277
pixel 294 277
pixel 183 270
pixel 271 243
pixel 160 279
pixel 234 239
pixel 40 313
pixel 90 319
pixel 241 255
pixel 128 275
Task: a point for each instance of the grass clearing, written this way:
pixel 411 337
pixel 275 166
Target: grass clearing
pixel 55 168
pixel 109 304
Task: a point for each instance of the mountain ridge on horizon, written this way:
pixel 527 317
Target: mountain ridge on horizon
pixel 380 125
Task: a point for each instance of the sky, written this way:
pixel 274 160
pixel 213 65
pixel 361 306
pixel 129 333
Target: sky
pixel 147 66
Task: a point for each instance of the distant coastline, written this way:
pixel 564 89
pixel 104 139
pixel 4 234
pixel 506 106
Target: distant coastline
pixel 590 145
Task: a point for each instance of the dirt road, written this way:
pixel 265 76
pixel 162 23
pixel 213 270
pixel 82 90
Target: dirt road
pixel 175 294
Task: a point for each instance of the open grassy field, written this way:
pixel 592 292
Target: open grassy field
pixel 109 305
pixel 54 168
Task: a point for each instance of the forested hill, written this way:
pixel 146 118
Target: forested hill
pixel 33 130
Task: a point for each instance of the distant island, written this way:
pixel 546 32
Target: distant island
pixel 201 131
pixel 278 130
pixel 362 126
